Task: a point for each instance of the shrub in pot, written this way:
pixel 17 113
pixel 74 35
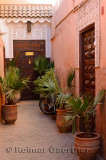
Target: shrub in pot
pixel 47 85
pixel 62 96
pixel 63 125
pixel 12 84
pixel 69 83
pixel 87 143
pixel 41 64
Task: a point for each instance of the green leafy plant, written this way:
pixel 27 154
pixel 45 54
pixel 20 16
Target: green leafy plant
pixel 83 108
pixel 41 65
pixel 70 78
pixel 12 83
pixel 62 98
pixel 64 94
pixel 52 64
pixel 47 84
pixel 12 62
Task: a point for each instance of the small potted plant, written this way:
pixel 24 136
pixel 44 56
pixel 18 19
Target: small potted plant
pixel 41 64
pixel 47 86
pixel 62 97
pixel 62 125
pixel 87 143
pixel 12 84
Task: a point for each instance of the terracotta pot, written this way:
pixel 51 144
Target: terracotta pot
pixel 87 146
pixel 63 125
pixel 9 113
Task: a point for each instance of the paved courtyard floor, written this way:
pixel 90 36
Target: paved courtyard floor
pixel 34 136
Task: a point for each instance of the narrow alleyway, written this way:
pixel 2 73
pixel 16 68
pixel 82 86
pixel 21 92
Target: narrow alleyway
pixel 34 132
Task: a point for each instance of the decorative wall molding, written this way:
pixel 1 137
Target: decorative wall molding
pixel 32 20
pixel 18 31
pixel 88 14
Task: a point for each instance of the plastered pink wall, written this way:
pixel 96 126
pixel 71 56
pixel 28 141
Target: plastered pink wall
pixel 63 41
pixel 63 49
pixel 101 78
pixel 64 52
pixel 101 72
pixel 103 33
pixel 1 58
pixel 63 33
pixel 65 7
pixel 1 70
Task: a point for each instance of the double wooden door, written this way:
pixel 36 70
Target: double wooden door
pixel 26 52
pixel 88 62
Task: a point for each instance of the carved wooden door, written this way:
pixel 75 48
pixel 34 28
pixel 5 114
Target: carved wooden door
pixel 89 62
pixel 27 51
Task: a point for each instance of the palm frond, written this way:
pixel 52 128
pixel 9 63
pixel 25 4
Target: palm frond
pixel 12 82
pixel 47 84
pixel 1 80
pixel 70 77
pixel 84 107
pixel 99 97
pixel 41 65
pixel 52 64
pixel 62 98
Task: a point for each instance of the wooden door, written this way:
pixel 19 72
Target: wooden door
pixel 88 62
pixel 27 51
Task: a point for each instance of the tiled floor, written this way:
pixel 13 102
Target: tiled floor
pixel 34 136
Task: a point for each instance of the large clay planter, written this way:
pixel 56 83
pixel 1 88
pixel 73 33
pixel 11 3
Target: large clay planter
pixel 87 148
pixel 9 113
pixel 63 125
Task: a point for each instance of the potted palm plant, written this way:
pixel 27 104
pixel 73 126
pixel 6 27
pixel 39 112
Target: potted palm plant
pixel 49 86
pixel 62 125
pixel 41 64
pixel 87 143
pixel 12 84
pixel 62 97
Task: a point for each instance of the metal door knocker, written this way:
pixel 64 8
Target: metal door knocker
pixel 29 61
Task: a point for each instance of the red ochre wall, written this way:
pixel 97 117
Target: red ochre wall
pixel 63 51
pixel 1 69
pixel 101 78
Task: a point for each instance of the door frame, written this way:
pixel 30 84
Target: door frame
pixel 22 46
pixel 81 57
pixel 30 49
